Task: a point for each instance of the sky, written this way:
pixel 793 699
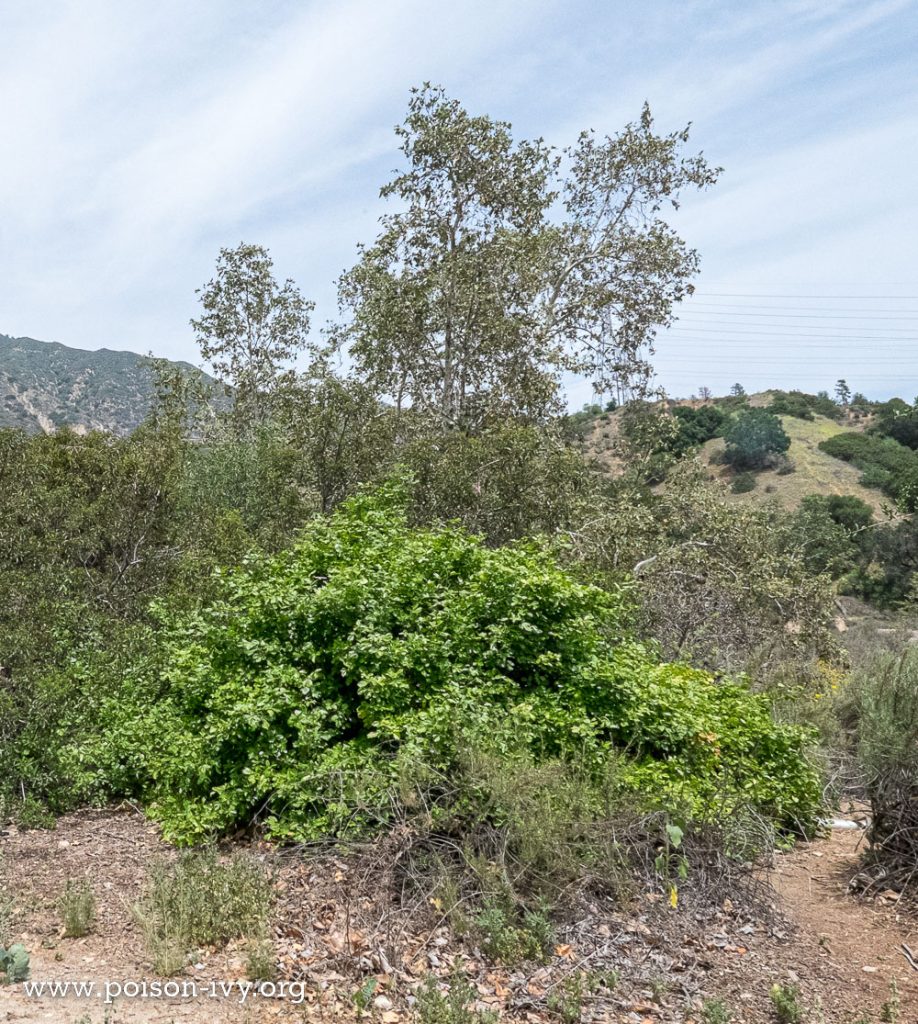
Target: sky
pixel 136 139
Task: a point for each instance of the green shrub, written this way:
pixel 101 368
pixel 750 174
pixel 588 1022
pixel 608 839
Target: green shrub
pixel 891 1010
pixel 696 426
pixel 716 1011
pixel 885 464
pixel 321 677
pixel 511 937
pixel 14 964
pixel 755 439
pixel 883 708
pixel 792 403
pixel 743 483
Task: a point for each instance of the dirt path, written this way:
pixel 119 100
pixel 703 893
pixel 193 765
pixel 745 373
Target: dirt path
pixel 853 946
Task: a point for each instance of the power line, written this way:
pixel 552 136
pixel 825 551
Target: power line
pixel 703 329
pixel 775 295
pixel 802 316
pixel 799 327
pixel 691 303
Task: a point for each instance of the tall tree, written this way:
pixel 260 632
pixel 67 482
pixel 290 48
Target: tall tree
pixel 250 329
pixel 440 307
pixel 843 393
pixel 508 263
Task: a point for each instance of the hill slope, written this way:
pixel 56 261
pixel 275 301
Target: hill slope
pixel 815 471
pixel 45 385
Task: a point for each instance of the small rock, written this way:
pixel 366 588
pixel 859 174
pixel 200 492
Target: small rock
pixel 869 970
pixel 382 1003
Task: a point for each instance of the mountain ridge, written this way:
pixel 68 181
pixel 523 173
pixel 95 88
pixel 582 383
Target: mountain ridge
pixel 45 385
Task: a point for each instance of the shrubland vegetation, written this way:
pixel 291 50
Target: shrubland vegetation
pixel 325 602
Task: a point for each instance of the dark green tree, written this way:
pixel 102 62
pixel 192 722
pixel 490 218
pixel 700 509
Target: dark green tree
pixel 755 439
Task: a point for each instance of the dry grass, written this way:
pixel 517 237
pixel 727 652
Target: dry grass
pixel 815 472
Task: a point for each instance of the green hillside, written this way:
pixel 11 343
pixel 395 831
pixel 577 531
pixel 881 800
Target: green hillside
pixel 45 385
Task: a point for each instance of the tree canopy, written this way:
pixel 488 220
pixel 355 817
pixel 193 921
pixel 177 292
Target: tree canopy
pixel 507 262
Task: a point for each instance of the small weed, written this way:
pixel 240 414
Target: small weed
pixel 261 961
pixel 566 999
pixel 786 1001
pixel 6 911
pixel 78 908
pixel 364 995
pixel 607 980
pixel 659 988
pixel 30 813
pixel 743 483
pixel 716 1011
pixel 452 1007
pixel 200 899
pixel 506 938
pixel 889 1012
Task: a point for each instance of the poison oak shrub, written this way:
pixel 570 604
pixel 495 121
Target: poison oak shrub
pixel 320 678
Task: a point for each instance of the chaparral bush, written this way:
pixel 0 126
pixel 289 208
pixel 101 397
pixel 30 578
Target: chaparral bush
pixel 320 678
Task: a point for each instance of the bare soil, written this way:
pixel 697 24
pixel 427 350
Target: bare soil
pixel 335 931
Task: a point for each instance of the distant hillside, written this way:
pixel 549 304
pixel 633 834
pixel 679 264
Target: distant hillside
pixel 44 385
pixel 814 472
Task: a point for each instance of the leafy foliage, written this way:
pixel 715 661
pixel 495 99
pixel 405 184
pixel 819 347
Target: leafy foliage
pixel 318 676
pixel 699 425
pixel 14 963
pixel 754 439
pixel 898 420
pixel 719 582
pixel 804 406
pixel 786 1002
pixel 475 296
pixel 886 464
pixel 249 328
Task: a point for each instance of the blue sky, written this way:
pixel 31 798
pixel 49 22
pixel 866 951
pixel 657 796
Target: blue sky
pixel 137 138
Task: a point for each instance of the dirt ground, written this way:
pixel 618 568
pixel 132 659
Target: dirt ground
pixel 330 936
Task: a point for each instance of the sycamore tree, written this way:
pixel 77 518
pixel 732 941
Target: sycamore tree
pixel 506 263
pixel 250 329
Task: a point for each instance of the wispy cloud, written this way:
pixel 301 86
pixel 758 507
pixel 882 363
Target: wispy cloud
pixel 135 139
